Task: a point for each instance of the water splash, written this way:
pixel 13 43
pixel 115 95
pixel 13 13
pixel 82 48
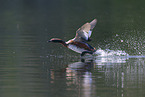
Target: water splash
pixel 133 42
pixel 109 52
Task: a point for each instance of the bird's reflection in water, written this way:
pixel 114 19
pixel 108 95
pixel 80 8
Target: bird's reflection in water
pixel 89 75
pixel 83 65
pixel 82 73
pixel 79 73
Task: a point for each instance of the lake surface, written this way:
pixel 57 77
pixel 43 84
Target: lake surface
pixel 32 67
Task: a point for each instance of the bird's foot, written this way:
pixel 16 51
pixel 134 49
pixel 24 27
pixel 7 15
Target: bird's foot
pixel 84 52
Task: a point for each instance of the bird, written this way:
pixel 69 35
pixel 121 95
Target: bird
pixel 79 42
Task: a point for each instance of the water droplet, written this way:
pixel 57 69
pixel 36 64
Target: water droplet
pixel 121 40
pixel 117 35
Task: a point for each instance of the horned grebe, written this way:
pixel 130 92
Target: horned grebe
pixel 78 44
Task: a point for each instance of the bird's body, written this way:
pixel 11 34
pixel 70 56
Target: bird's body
pixel 80 47
pixel 78 44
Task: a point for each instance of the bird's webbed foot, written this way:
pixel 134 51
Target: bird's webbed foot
pixel 84 52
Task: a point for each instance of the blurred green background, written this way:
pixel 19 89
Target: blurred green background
pixel 32 67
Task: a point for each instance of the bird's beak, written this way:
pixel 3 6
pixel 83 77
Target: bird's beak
pixel 49 41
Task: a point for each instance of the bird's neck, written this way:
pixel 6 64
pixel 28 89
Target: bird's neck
pixel 62 42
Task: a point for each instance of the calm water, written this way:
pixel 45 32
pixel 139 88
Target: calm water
pixel 32 67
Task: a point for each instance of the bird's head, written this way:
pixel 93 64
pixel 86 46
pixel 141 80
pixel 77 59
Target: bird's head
pixel 56 40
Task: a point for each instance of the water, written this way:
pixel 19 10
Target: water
pixel 32 67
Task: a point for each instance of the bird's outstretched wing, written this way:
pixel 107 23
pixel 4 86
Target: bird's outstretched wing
pixel 84 32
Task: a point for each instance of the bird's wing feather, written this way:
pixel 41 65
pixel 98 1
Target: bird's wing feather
pixel 85 31
pixel 93 24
